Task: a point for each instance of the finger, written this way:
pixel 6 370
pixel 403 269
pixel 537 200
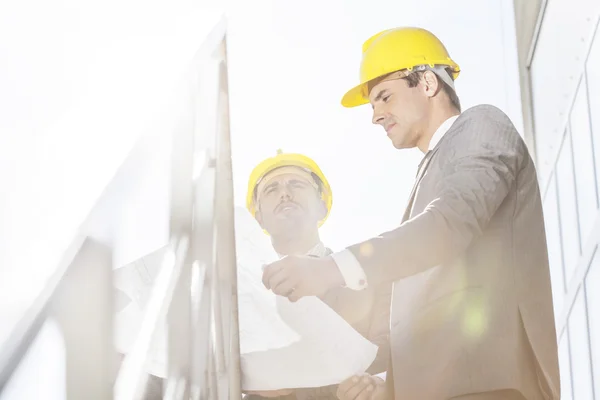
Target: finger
pixel 380 392
pixel 269 271
pixel 279 278
pixel 294 296
pixel 347 384
pixel 366 393
pixel 298 293
pixel 354 391
pixel 343 394
pixel 284 287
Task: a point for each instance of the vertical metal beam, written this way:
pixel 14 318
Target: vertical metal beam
pixel 179 332
pixel 226 252
pixel 133 376
pixel 218 322
pixel 202 237
pixel 213 375
pixel 83 308
pixel 182 169
pixel 536 33
pixel 198 326
pixel 178 319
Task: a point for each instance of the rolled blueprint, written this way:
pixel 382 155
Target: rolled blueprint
pixel 284 344
pixel 261 326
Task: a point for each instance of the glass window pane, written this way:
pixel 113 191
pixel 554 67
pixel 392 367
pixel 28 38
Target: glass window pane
pixel 583 156
pixel 565 368
pixel 567 208
pixel 580 349
pixel 554 246
pixel 592 286
pixel 593 81
pixel 563 42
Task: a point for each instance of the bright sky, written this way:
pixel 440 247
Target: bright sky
pixel 80 81
pixel 290 63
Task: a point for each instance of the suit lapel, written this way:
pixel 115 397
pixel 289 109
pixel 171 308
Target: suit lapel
pixel 423 168
pixel 420 172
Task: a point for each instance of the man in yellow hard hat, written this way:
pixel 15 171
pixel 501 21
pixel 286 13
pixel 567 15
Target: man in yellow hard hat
pixel 290 197
pixel 472 314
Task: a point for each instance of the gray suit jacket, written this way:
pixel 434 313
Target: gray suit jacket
pixel 472 305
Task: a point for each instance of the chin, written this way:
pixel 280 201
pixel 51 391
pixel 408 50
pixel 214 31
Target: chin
pixel 398 141
pixel 288 222
pixel 401 145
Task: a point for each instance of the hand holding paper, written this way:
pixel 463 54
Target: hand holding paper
pixel 319 347
pixel 283 344
pixel 295 276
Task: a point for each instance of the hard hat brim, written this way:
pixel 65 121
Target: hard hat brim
pixel 358 95
pixel 355 96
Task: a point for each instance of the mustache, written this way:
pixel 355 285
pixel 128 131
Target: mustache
pixel 285 204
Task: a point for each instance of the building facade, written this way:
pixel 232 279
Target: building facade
pixel 559 63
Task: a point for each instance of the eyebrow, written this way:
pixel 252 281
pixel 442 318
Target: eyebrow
pixel 380 95
pixel 271 185
pixel 298 181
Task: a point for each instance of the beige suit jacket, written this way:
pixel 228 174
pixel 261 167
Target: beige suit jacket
pixel 472 304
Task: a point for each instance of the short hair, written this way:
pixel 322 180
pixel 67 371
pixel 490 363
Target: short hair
pixel 415 77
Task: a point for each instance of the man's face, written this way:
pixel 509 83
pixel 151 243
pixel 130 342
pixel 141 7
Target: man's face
pixel 401 110
pixel 288 203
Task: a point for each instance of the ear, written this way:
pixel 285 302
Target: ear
pixel 431 83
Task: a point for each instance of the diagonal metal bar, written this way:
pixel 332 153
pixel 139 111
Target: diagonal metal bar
pixel 132 376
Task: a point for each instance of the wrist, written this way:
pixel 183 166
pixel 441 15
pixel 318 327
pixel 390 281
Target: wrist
pixel 334 276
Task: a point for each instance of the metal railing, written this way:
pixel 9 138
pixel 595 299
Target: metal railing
pixel 194 294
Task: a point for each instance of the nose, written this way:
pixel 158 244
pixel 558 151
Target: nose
pixel 285 193
pixel 378 118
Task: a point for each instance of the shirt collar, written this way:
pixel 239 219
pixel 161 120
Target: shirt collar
pixel 441 131
pixel 318 251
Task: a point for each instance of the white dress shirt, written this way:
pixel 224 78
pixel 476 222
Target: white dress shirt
pixel 318 251
pixel 351 270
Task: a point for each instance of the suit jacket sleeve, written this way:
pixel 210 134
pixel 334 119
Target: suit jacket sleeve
pixel 379 328
pixel 479 161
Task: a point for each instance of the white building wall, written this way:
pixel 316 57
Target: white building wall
pixel 563 66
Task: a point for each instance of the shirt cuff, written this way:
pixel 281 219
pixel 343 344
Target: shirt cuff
pixel 353 274
pixel 382 375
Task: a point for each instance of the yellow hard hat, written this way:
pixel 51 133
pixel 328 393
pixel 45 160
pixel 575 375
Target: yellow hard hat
pixel 394 50
pixel 287 160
